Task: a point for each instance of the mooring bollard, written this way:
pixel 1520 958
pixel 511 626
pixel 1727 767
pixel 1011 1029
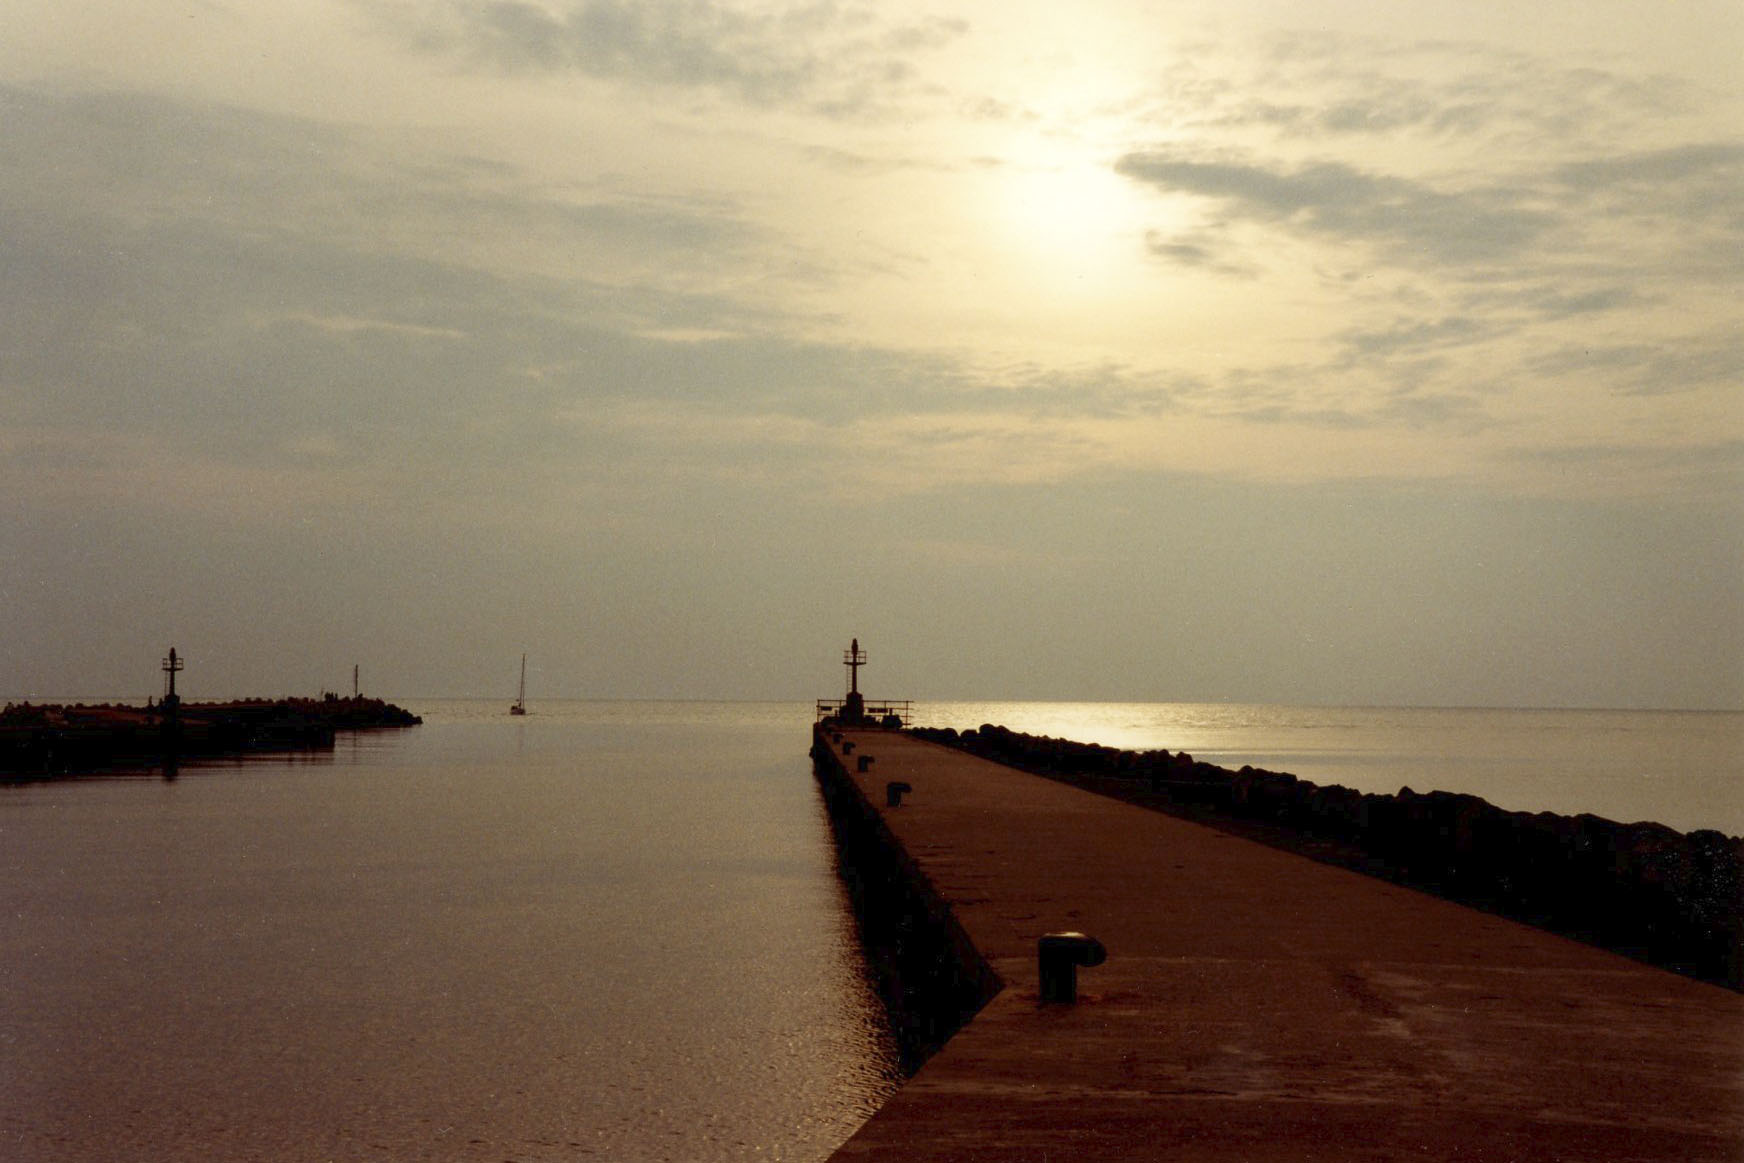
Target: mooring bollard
pixel 893 792
pixel 865 763
pixel 848 747
pixel 1060 954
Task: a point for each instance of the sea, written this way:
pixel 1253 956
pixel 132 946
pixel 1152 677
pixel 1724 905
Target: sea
pixel 604 930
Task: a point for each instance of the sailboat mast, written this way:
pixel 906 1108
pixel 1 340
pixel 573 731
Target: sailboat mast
pixel 520 707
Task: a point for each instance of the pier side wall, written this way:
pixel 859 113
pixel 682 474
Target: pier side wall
pixel 930 977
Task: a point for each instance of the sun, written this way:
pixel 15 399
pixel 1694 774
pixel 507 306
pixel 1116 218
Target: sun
pixel 1071 218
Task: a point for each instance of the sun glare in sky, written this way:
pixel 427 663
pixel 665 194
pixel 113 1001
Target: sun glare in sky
pixel 1071 220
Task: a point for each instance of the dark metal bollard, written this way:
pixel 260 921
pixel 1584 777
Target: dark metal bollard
pixel 1060 955
pixel 848 747
pixel 893 793
pixel 865 762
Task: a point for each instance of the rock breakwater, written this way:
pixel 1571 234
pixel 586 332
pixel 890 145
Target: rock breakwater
pixel 41 741
pixel 1670 898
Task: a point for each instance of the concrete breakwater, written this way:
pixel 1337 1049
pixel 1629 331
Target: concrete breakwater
pixel 1253 1005
pixel 1669 898
pixel 39 741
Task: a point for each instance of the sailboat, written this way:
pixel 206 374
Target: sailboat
pixel 520 706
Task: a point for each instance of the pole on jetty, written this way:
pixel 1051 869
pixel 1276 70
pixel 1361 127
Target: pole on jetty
pixel 170 727
pixel 854 706
pixel 171 665
pixel 354 681
pixel 854 658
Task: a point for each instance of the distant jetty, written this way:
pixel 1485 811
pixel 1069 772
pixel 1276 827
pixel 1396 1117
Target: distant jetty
pixel 42 741
pixel 1669 898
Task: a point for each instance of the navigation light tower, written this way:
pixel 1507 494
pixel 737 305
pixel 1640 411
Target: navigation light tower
pixel 171 665
pixel 853 707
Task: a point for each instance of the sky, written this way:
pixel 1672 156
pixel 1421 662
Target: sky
pixel 1254 351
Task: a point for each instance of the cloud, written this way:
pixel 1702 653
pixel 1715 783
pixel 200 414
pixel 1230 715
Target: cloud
pixel 1457 161
pixel 1684 202
pixel 1205 249
pixel 278 332
pixel 1329 87
pixel 212 286
pixel 1407 221
pixel 1710 167
pixel 1675 364
pixel 119 202
pixel 1490 232
pixel 828 57
pixel 1417 336
pixel 1551 302
pixel 236 287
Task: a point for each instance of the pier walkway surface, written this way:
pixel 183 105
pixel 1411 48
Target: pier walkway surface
pixel 1257 1005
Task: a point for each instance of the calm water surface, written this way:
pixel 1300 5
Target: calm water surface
pixel 602 931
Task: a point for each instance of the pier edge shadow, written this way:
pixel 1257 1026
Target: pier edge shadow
pixel 929 976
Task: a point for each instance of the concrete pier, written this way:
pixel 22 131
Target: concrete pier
pixel 1256 1005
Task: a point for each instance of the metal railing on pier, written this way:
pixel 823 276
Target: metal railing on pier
pixel 879 712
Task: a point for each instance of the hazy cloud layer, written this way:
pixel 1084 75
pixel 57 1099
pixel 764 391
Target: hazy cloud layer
pixel 1325 88
pixel 828 57
pixel 282 321
pixel 1536 217
pixel 1221 368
